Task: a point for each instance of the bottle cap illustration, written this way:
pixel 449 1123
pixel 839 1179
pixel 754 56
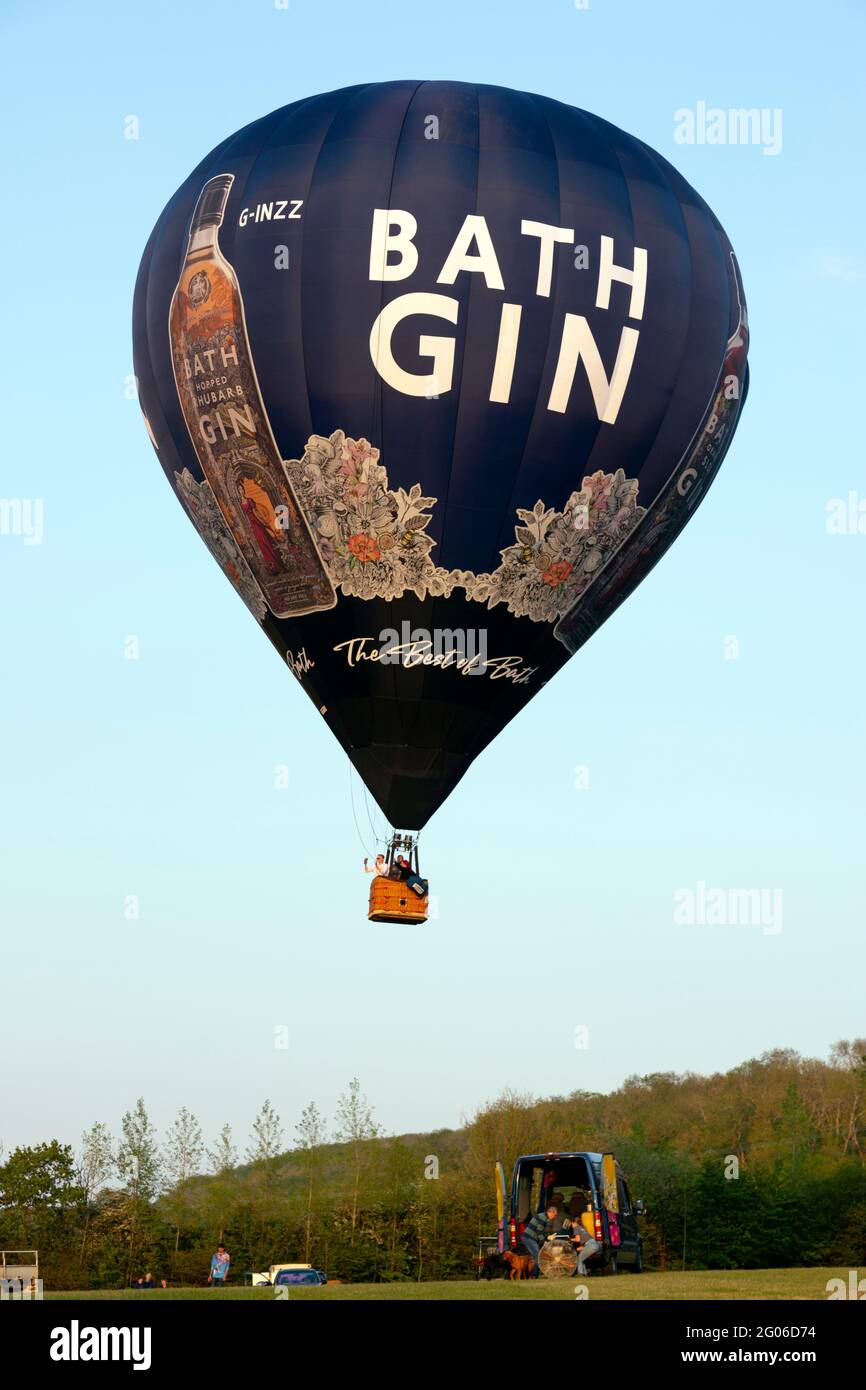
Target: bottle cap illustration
pixel 212 201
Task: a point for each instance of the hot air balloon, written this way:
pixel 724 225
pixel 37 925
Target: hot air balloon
pixel 438 371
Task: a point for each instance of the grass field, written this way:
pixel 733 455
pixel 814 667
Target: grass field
pixel 781 1284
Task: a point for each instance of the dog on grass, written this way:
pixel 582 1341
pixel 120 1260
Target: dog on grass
pixel 521 1265
pixel 494 1266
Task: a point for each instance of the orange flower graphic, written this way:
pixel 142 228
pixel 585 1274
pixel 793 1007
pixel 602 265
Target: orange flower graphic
pixel 364 548
pixel 558 573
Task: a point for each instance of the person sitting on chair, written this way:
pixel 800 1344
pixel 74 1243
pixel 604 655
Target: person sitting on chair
pixel 380 867
pixel 410 878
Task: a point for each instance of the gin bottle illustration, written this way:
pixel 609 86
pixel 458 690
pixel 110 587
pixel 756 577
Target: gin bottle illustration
pixel 228 424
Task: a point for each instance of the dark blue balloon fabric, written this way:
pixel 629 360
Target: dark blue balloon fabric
pixel 501 345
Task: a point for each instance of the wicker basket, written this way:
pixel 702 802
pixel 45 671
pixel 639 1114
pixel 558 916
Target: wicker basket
pixel 557 1258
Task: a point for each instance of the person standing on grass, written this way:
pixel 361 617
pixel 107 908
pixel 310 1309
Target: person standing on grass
pixel 219 1267
pixel 536 1232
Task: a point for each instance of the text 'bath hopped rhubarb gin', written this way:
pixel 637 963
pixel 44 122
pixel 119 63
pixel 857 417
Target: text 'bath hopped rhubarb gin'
pixel 228 424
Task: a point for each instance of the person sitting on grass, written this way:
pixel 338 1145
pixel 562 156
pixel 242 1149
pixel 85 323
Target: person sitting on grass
pixel 219 1267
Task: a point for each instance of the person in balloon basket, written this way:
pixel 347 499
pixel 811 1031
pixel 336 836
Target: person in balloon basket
pixel 219 1267
pixel 410 878
pixel 380 867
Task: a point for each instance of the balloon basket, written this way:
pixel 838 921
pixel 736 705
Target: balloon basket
pixel 393 901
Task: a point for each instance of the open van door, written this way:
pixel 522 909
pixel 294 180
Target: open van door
pixel 501 1209
pixel 610 1197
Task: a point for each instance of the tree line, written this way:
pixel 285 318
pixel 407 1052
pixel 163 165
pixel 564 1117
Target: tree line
pixel 761 1166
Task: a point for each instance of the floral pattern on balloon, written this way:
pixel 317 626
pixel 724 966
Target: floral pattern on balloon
pixel 371 538
pixel 557 555
pixel 374 539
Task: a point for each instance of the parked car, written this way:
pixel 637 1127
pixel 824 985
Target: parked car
pixel 300 1276
pixel 272 1276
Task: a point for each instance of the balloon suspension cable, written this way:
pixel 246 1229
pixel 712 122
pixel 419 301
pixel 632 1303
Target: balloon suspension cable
pixel 380 839
pixel 367 850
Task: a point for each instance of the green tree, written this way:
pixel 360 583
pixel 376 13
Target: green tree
pixel 140 1170
pixel 183 1153
pixel 267 1137
pixel 223 1159
pixel 96 1164
pixel 41 1178
pixel 312 1135
pixel 265 1147
pixel 399 1185
pixel 355 1128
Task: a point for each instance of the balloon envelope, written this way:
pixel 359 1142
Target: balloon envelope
pixel 438 371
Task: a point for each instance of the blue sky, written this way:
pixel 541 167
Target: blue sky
pixel 154 777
